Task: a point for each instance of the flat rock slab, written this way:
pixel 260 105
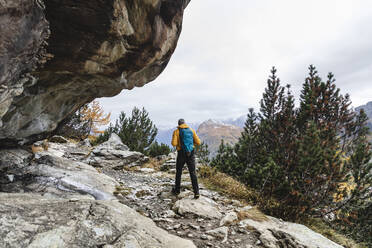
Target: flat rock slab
pixel 51 172
pixel 30 220
pixel 274 233
pixel 202 207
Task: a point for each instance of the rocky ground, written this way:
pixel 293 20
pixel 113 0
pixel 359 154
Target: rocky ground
pixel 73 195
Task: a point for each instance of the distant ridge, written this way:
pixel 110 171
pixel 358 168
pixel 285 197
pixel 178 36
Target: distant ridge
pixel 368 109
pixel 213 131
pixel 165 133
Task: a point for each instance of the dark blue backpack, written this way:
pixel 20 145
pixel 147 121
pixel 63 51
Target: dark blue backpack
pixel 187 140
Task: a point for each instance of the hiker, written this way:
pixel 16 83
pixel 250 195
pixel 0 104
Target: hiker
pixel 185 139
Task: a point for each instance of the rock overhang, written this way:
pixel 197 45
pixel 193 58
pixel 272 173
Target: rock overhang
pixel 58 55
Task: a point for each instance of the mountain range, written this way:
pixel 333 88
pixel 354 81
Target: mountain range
pixel 212 131
pixel 165 134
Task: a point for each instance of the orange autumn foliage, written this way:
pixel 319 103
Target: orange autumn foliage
pixel 94 113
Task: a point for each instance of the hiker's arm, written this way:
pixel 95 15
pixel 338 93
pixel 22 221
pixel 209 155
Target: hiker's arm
pixel 196 139
pixel 175 138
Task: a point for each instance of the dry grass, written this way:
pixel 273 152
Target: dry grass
pixel 253 214
pixel 321 227
pixel 153 163
pixel 225 184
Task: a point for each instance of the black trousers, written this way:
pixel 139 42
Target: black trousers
pixel 190 161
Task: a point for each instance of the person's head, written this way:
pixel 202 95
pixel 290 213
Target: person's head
pixel 181 121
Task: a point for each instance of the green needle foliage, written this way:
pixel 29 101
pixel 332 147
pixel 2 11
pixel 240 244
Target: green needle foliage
pixel 225 159
pixel 202 153
pixel 156 149
pixel 313 159
pixel 137 131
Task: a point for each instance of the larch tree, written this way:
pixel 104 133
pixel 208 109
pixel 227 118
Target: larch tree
pixel 95 116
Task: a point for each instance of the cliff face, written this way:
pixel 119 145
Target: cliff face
pixel 58 55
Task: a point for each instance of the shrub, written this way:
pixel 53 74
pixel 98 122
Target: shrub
pixel 156 149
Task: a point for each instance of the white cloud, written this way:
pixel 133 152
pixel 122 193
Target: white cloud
pixel 227 48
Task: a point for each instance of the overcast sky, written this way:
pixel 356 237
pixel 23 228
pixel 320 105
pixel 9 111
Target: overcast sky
pixel 226 50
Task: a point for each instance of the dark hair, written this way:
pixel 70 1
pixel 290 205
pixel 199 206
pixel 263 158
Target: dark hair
pixel 181 121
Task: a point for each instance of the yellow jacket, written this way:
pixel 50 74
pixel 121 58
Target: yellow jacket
pixel 176 137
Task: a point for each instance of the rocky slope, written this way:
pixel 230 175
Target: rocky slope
pixel 212 132
pixel 57 55
pixel 56 198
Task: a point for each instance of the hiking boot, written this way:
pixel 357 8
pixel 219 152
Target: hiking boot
pixel 196 196
pixel 174 192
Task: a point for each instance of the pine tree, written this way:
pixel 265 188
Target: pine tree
pixel 137 131
pixel 202 153
pixel 304 157
pixel 245 147
pixel 226 160
pixel 355 200
pixel 246 150
pixel 156 149
pixel 272 98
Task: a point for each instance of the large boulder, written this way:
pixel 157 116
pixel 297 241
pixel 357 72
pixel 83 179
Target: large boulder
pixel 274 233
pixel 114 154
pixel 56 56
pixel 202 207
pixel 29 220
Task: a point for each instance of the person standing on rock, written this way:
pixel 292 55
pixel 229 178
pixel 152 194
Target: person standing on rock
pixel 184 139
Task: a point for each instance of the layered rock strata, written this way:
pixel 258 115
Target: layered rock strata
pixel 58 55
